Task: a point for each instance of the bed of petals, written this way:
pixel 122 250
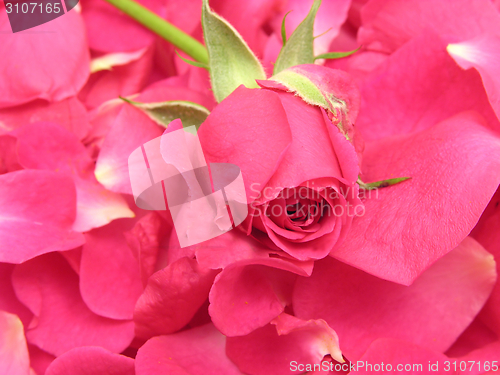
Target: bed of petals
pixel 92 284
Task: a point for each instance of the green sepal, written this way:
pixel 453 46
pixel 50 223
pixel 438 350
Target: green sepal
pixel 191 62
pixel 381 184
pixel 163 113
pixel 299 48
pixel 336 55
pixel 231 62
pixel 283 28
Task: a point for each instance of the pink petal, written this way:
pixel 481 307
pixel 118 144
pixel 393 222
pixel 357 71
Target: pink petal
pixel 475 336
pixel 486 356
pixel 200 350
pixel 8 299
pixel 415 88
pixel 286 342
pixel 397 355
pixel 14 358
pixel 257 126
pixel 63 320
pixel 483 54
pixel 48 146
pixel 109 273
pixel 37 212
pixel 410 225
pixel 171 298
pixel 388 24
pixel 8 154
pixel 69 113
pixel 362 308
pixel 39 360
pixel 249 294
pixel 37 67
pixel 91 360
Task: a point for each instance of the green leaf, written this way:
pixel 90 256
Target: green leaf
pixel 231 61
pixel 336 55
pixel 299 48
pixel 381 184
pixel 283 28
pixel 191 62
pixel 165 112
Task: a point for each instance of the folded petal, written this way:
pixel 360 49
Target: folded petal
pixel 454 169
pixel 63 320
pixel 200 350
pixel 37 67
pixel 432 312
pixel 14 358
pixel 91 360
pixel 172 297
pixel 37 212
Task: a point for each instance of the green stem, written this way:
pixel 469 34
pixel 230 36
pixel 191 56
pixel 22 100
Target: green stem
pixel 163 28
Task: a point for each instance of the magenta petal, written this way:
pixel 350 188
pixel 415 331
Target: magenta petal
pixel 52 68
pixel 14 358
pixel 241 114
pixel 8 300
pixel 200 350
pixel 362 308
pixel 286 342
pixel 249 294
pixel 37 212
pixel 109 273
pixel 454 169
pixel 63 320
pixel 171 298
pixel 91 360
pixel 485 356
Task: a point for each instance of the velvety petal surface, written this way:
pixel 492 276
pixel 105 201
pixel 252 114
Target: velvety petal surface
pixel 37 210
pixel 200 350
pixel 454 169
pixel 91 360
pixel 432 312
pixel 14 358
pixel 63 320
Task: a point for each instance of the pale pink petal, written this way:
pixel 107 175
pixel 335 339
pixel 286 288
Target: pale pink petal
pixel 482 53
pixel 39 67
pixel 172 297
pixel 69 113
pixel 14 358
pixel 37 210
pixel 279 346
pixel 200 350
pixel 406 227
pixel 63 320
pixel 432 312
pixel 415 88
pixel 248 294
pixel 91 360
pixel 110 281
pixel 388 24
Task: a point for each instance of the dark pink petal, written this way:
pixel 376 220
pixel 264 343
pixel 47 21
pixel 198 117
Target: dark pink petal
pixel 389 24
pixel 49 146
pixel 482 53
pixel 487 356
pixel 91 360
pixel 8 300
pixel 37 212
pixel 171 298
pixel 454 169
pixel 362 308
pixel 40 360
pixel 69 113
pixel 63 320
pixel 245 118
pixel 14 358
pixel 475 336
pixel 200 350
pixel 8 154
pixel 273 348
pixel 38 67
pixel 415 88
pixel 249 294
pixel 109 273
pixel 396 354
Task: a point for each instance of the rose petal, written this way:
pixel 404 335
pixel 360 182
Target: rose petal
pixel 362 308
pixel 37 211
pixel 14 358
